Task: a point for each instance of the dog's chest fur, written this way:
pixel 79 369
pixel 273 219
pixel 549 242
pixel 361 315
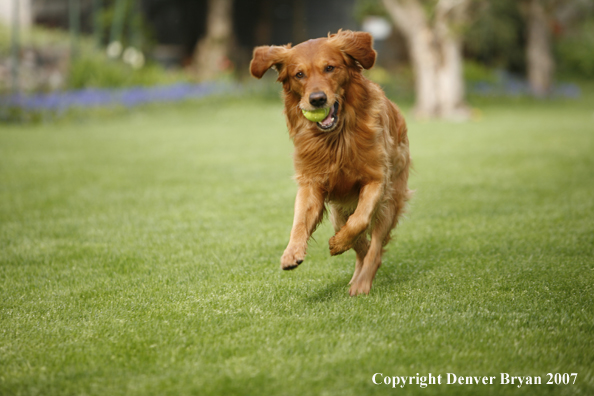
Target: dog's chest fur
pixel 335 162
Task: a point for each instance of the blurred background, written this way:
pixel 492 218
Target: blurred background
pixel 435 54
pixel 146 198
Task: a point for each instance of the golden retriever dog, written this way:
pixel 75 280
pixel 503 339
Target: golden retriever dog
pixel 356 159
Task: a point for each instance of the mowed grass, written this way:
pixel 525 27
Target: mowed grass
pixel 140 256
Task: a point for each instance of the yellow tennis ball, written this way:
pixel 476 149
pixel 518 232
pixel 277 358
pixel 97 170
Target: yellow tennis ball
pixel 316 115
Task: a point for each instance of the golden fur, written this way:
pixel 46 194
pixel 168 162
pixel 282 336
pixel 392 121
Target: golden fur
pixel 359 165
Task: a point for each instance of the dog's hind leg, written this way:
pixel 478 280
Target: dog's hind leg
pixel 361 245
pixel 361 283
pixel 361 248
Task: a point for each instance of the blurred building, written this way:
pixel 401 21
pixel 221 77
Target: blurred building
pixel 178 24
pixel 175 26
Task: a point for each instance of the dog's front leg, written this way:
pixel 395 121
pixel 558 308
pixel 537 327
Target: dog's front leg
pixel 359 221
pixel 309 209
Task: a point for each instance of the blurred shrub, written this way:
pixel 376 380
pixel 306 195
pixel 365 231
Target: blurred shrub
pixel 575 52
pixel 364 8
pixel 398 83
pixel 135 29
pixel 33 37
pixel 92 70
pixel 17 114
pixel 475 72
pixel 496 35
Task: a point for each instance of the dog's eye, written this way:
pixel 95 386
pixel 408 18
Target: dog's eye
pixel 300 75
pixel 329 68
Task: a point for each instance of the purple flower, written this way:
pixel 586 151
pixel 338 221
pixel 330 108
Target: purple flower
pixel 129 97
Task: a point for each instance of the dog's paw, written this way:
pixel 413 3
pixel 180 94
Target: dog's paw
pixel 337 245
pixel 292 258
pixel 360 287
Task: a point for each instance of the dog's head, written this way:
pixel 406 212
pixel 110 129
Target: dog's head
pixel 317 71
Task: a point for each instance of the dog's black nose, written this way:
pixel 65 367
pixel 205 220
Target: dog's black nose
pixel 318 99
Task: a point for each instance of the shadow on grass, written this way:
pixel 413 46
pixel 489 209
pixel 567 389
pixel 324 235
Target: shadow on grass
pixel 387 279
pixel 337 290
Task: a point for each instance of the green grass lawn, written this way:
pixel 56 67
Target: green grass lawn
pixel 139 255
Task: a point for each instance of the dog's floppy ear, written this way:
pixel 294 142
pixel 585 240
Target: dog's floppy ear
pixel 266 57
pixel 357 45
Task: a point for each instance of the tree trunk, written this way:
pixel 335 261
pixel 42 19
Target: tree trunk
pixel 212 52
pixel 436 54
pixel 538 49
pixel 449 15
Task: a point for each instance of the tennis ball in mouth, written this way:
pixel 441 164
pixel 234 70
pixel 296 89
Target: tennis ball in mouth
pixel 316 115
